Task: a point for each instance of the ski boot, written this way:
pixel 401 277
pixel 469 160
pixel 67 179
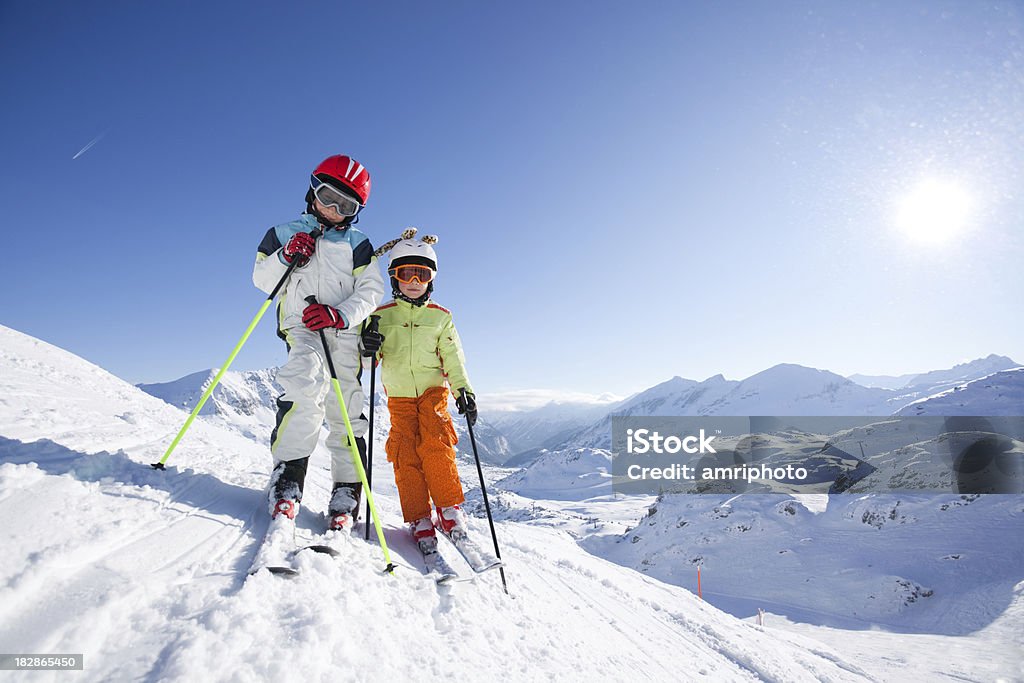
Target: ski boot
pixel 423 531
pixel 285 507
pixel 343 510
pixel 452 522
pixel 286 487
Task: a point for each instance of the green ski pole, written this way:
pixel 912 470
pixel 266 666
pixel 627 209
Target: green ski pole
pixel 231 358
pixel 356 460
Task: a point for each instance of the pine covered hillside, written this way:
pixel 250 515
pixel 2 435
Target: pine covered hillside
pixel 153 568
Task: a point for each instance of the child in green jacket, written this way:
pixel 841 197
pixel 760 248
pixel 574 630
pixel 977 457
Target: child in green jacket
pixel 421 359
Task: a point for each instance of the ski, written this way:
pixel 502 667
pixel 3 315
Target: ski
pixel 274 553
pixel 330 543
pixel 478 559
pixel 437 567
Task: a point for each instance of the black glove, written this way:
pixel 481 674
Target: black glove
pixel 466 403
pixel 372 340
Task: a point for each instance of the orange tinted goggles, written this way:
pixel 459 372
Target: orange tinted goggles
pixel 407 273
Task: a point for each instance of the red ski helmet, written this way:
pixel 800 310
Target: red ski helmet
pixel 347 174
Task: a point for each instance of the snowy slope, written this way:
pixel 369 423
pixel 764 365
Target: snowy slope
pixel 1001 393
pixel 566 475
pixel 930 563
pixel 142 571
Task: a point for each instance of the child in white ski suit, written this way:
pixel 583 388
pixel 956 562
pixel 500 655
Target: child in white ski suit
pixel 339 269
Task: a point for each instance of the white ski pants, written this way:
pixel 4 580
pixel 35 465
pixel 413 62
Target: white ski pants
pixel 309 397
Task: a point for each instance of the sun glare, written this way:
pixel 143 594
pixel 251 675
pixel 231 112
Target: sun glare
pixel 934 211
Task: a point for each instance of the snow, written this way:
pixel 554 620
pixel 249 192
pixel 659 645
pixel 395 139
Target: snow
pixel 1001 393
pixel 144 571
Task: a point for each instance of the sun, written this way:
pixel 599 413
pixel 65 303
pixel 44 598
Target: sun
pixel 934 211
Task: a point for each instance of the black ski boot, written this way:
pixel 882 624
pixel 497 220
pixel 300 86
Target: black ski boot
pixel 343 510
pixel 286 483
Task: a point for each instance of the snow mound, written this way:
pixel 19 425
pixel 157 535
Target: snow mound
pixel 564 475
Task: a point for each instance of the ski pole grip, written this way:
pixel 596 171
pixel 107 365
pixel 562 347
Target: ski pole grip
pixel 311 299
pixel 374 322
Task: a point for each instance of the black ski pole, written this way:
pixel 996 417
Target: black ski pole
pixel 315 233
pixel 483 490
pixel 374 321
pixel 357 461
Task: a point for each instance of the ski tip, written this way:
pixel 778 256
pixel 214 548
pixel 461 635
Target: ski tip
pixel 158 466
pixel 287 572
pixel 496 565
pixel 283 571
pixel 325 549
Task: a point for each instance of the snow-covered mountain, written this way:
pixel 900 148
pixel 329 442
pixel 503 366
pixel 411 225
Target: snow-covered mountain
pixel 1001 393
pixel 565 475
pixel 534 428
pixel 882 381
pixel 963 372
pixel 784 389
pixel 936 378
pixel 155 564
pixel 246 402
pixel 781 390
pixel 243 393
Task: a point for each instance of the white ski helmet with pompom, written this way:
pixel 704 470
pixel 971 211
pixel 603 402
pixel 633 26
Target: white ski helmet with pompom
pixel 410 251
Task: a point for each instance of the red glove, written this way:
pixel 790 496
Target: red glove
pixel 302 245
pixel 318 316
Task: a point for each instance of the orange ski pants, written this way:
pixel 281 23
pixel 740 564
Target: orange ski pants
pixel 421 447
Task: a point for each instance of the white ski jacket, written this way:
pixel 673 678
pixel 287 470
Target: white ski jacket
pixel 342 273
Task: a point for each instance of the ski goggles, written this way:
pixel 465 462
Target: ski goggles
pixel 407 273
pixel 333 198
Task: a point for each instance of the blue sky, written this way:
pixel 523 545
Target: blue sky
pixel 621 195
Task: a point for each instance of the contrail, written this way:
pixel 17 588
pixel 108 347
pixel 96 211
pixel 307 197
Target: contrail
pixel 89 146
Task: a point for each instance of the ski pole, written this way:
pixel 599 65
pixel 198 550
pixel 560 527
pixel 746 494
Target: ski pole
pixel 356 460
pixel 315 233
pixel 483 490
pixel 374 321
